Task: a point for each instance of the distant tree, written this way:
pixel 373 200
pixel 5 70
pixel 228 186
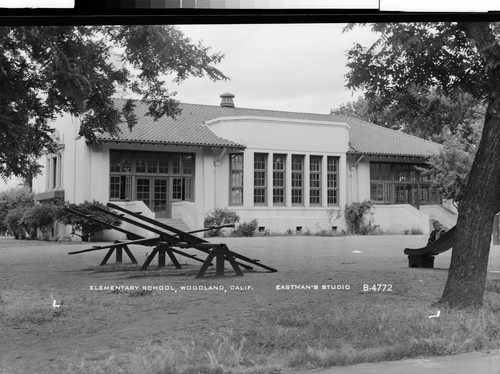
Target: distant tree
pixel 12 199
pixel 14 221
pixel 49 70
pixel 355 109
pixel 426 113
pixel 448 171
pixel 453 59
pixel 85 227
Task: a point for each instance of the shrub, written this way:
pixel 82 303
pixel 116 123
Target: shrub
pixel 355 218
pixel 87 227
pixel 14 221
pixel 416 231
pixel 40 217
pixel 246 228
pixel 219 217
pixel 12 199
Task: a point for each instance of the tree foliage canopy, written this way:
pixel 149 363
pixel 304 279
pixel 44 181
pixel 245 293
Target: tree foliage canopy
pixel 11 199
pixel 49 70
pixel 421 78
pixel 412 55
pixel 449 170
pixel 451 59
pixel 422 112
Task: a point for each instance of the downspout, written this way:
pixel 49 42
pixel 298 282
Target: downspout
pixel 217 161
pixel 352 168
pixel 75 145
pixel 359 160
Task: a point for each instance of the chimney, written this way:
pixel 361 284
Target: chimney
pixel 227 100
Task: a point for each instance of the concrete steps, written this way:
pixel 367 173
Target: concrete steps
pixel 176 223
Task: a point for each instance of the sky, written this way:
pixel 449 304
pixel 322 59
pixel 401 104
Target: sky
pixel 289 67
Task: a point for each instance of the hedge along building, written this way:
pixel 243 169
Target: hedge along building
pixel 288 170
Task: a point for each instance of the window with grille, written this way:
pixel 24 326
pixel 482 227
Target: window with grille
pixel 297 180
pixel 332 180
pixel 131 174
pixel 315 180
pixel 236 179
pixel 400 183
pixel 260 182
pixel 279 181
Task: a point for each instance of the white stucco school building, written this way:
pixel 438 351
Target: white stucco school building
pixel 288 170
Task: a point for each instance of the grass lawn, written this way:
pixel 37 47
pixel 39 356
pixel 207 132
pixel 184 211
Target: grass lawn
pixel 322 308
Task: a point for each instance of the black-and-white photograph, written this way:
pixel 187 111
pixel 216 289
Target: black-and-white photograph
pixel 250 197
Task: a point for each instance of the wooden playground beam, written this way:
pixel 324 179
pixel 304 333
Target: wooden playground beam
pixel 141 240
pixel 194 241
pixel 170 239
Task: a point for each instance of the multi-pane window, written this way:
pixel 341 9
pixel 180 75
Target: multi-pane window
pixel 259 179
pixel 152 164
pixel 122 186
pixel 182 164
pixel 160 197
pixel 315 180
pixel 140 166
pixel 377 192
pixel 182 188
pixel 120 179
pixel 163 166
pixel 399 183
pixel 380 171
pixel 177 189
pixel 176 164
pixel 236 179
pixel 143 190
pixel 279 165
pixel 147 162
pixel 54 173
pixel 188 189
pixel 121 162
pixel 117 187
pixel 381 192
pixel 297 180
pixel 151 172
pixel 187 164
pixel 332 180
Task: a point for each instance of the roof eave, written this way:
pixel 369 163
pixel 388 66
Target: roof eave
pixel 177 144
pixel 387 155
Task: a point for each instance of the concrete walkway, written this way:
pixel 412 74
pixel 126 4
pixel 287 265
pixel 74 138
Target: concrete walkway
pixel 466 363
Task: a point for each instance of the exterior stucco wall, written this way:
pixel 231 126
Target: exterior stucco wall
pixel 271 136
pixel 400 219
pixel 85 174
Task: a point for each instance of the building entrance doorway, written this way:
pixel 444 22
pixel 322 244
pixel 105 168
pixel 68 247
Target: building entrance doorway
pixel 406 194
pixel 157 178
pixel 154 192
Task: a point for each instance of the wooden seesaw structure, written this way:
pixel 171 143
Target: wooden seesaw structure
pixel 170 242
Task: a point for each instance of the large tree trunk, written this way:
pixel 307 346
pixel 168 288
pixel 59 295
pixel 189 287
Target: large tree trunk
pixel 469 261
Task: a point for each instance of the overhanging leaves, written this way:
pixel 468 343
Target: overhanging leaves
pixel 50 70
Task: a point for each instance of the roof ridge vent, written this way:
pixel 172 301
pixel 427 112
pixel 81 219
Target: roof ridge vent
pixel 227 100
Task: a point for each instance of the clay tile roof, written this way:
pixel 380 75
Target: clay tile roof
pixel 370 139
pixel 189 129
